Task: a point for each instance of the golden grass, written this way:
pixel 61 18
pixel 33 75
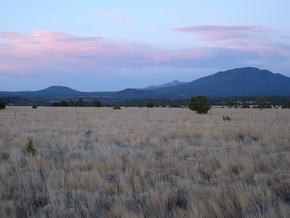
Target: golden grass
pixel 100 162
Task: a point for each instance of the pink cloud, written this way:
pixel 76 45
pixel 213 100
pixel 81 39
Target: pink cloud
pixel 111 12
pixel 220 32
pixel 9 34
pixel 178 19
pixel 98 10
pixel 45 51
pixel 114 15
pixel 49 49
pixel 246 37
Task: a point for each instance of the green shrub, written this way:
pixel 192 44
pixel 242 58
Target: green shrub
pixel 286 104
pixel 96 103
pixel 2 105
pixel 245 105
pixel 30 147
pixel 230 103
pixel 34 106
pixel 261 103
pixel 117 107
pixel 150 104
pixel 227 118
pixel 199 104
pixel 81 102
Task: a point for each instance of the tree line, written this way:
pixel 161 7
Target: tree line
pixel 231 102
pixel 80 102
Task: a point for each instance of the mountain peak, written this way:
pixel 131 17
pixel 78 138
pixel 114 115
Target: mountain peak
pixel 245 70
pixel 57 91
pixel 58 88
pixel 173 83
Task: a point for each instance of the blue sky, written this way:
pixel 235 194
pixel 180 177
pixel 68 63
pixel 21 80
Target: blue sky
pixel 112 45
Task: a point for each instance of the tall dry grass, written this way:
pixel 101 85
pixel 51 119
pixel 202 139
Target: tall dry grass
pixel 115 163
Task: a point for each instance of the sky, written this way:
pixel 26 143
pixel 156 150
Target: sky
pixel 101 45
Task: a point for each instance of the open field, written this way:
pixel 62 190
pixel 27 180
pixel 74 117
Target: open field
pixel 100 162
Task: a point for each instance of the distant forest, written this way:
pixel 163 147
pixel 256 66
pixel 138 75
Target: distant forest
pixel 243 102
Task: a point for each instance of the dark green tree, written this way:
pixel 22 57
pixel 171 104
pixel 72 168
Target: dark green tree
pixel 199 104
pixel 80 102
pixel 63 103
pixel 2 105
pixel 150 104
pixel 96 103
pixel 245 105
pixel 30 147
pixel 261 103
pixel 71 103
pixel 55 104
pixel 230 103
pixel 286 104
pixel 60 104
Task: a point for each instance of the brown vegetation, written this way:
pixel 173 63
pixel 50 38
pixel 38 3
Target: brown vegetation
pixel 101 162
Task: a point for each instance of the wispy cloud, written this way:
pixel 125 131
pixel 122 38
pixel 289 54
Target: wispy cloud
pixel 98 10
pixel 178 19
pixel 44 49
pixel 110 13
pixel 246 37
pixel 114 15
pixel 220 32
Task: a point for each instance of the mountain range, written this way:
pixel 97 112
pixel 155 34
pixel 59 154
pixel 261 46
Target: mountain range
pixel 246 81
pixel 173 83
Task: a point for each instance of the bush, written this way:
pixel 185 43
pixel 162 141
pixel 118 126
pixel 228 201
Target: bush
pixel 230 103
pixel 286 104
pixel 117 107
pixel 34 106
pixel 150 105
pixel 71 103
pixel 227 118
pixel 60 104
pixel 30 147
pixel 63 103
pixel 96 103
pixel 80 102
pixel 2 105
pixel 199 104
pixel 261 103
pixel 245 105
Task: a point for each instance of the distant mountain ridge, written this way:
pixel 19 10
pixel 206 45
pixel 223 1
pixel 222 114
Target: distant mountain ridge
pixel 58 90
pixel 237 82
pixel 246 81
pixel 173 83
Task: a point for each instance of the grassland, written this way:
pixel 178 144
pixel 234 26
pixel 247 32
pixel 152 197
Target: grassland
pixel 100 162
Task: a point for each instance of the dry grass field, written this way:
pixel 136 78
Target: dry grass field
pixel 116 163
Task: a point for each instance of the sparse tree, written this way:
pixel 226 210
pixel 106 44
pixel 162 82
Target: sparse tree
pixel 245 105
pixel 262 103
pixel 2 105
pixel 150 104
pixel 199 104
pixel 117 107
pixel 63 103
pixel 286 104
pixel 80 102
pixel 230 103
pixel 30 146
pixel 55 104
pixel 96 103
pixel 71 103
